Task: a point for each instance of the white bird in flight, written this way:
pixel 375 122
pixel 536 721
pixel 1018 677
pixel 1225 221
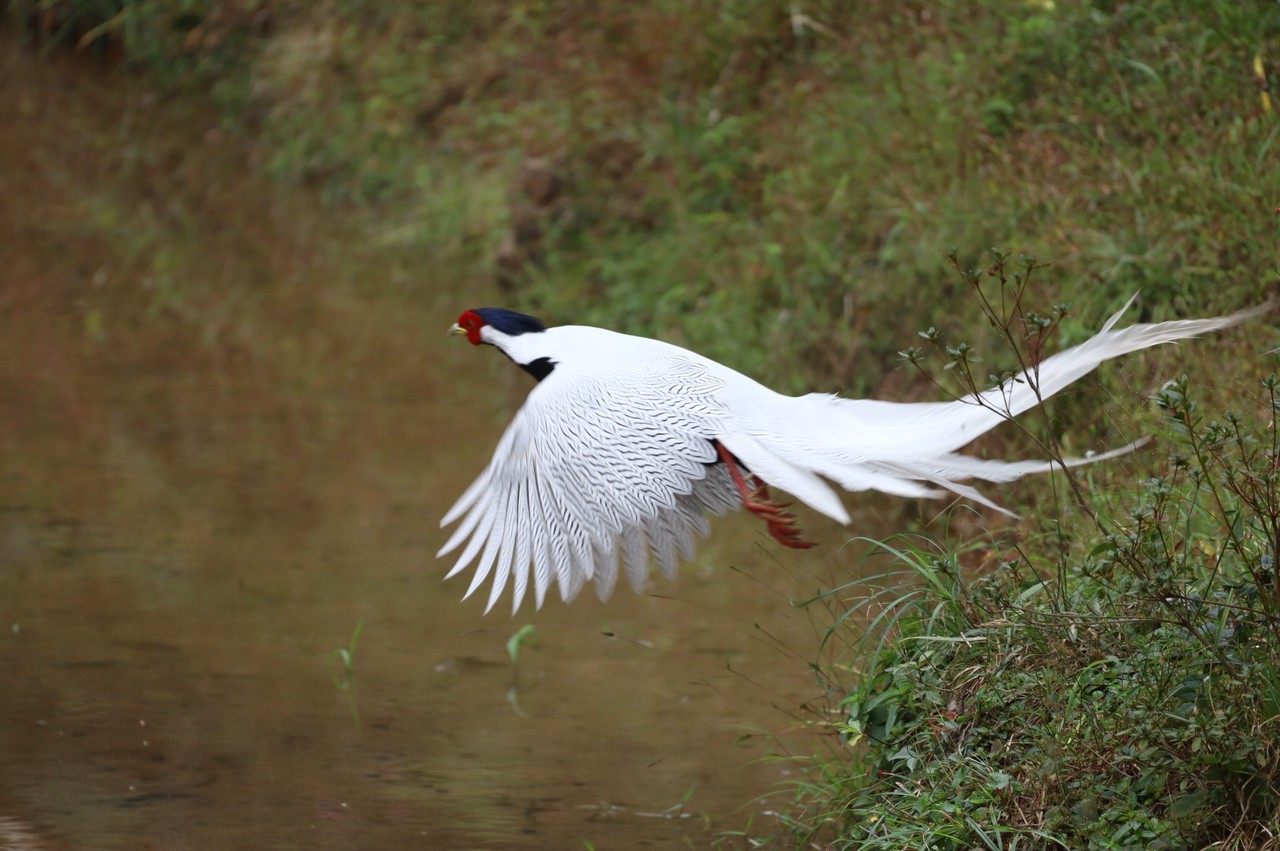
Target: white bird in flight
pixel 626 444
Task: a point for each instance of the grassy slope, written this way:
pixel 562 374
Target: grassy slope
pixel 769 186
pixel 777 184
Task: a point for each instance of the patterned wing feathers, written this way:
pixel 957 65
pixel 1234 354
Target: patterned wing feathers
pixel 591 479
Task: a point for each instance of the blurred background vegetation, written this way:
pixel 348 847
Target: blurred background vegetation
pixel 778 185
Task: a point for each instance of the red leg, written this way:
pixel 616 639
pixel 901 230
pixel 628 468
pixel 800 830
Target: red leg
pixel 781 523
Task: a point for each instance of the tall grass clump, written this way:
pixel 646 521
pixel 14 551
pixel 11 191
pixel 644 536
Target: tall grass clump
pixel 1110 682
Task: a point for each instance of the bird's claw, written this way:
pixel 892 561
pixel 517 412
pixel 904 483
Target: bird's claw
pixel 781 523
pixel 790 537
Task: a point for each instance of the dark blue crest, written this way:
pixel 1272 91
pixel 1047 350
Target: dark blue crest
pixel 508 321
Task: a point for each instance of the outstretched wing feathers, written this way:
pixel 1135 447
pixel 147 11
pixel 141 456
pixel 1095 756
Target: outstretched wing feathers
pixel 598 470
pixel 468 498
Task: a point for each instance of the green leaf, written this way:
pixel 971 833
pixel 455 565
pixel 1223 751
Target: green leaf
pixel 523 635
pixel 1185 805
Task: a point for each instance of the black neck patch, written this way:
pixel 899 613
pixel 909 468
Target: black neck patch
pixel 539 368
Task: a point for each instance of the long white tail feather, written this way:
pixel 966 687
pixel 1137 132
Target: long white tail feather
pixel 794 477
pixel 866 477
pixel 890 446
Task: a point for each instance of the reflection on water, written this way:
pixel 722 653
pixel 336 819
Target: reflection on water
pixel 16 836
pixel 219 453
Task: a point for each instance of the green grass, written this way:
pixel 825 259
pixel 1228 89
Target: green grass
pixel 1125 696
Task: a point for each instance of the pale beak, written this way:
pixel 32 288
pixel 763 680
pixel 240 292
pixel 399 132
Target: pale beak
pixel 456 330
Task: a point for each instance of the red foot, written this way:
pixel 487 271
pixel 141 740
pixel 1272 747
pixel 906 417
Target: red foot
pixel 781 523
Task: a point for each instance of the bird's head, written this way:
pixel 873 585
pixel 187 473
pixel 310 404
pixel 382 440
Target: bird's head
pixel 485 324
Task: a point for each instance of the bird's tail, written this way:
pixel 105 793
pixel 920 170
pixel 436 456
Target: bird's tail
pixel 899 447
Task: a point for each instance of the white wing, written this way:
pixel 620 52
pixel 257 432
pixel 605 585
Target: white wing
pixel 599 466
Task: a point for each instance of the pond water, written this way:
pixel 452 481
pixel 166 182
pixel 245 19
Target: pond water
pixel 227 433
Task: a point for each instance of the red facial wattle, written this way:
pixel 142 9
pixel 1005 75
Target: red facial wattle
pixel 471 323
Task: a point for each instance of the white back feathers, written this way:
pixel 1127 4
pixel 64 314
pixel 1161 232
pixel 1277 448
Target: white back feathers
pixel 627 444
